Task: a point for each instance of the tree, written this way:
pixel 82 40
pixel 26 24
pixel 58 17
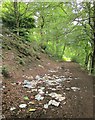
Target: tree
pixel 16 16
pixel 63 29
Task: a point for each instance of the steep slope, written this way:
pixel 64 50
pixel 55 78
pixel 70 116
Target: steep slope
pixel 47 88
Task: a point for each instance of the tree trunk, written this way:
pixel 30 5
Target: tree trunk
pixel 93 58
pixel 63 50
pixel 16 13
pixel 93 53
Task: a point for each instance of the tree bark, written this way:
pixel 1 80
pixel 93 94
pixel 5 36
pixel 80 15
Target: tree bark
pixel 93 53
pixel 16 13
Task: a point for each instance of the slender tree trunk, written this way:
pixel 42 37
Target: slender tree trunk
pixel 93 58
pixel 16 13
pixel 93 54
pixel 63 50
pixel 87 56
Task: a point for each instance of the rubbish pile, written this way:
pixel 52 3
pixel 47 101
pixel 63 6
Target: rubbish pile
pixel 43 87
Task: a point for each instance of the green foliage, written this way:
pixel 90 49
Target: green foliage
pixel 61 29
pixel 17 20
pixel 75 59
pixel 21 61
pixel 5 72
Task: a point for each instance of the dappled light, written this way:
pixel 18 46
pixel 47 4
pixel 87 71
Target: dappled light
pixel 48 59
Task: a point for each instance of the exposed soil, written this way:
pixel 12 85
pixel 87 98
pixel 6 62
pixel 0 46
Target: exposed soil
pixel 78 103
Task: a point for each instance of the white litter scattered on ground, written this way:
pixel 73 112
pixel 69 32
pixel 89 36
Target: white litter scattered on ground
pixel 53 71
pixel 22 105
pixel 41 66
pixel 75 88
pixel 54 85
pixel 68 89
pixel 40 92
pixel 30 84
pixel 12 108
pixel 46 106
pixel 3 87
pixel 39 97
pixel 34 90
pixel 57 96
pixel 38 77
pixel 77 78
pixel 53 102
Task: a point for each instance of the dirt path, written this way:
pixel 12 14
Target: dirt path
pixel 58 90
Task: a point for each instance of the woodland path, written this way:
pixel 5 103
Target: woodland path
pixel 65 78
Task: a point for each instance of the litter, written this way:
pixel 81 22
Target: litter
pixel 58 87
pixel 76 78
pixel 75 88
pixel 70 78
pixel 68 89
pixel 32 102
pixel 46 77
pixel 59 80
pixel 12 108
pixel 32 97
pixel 39 97
pixel 46 106
pixel 42 88
pixel 41 92
pixel 62 76
pixel 32 110
pixel 46 92
pixel 60 98
pixel 28 91
pixel 64 103
pixel 51 82
pixel 34 90
pixel 13 83
pixel 57 96
pixel 30 84
pixel 18 82
pixel 68 81
pixel 52 71
pixel 26 98
pixel 28 77
pixel 53 89
pixel 41 66
pixel 38 77
pixel 53 102
pixel 3 87
pixel 53 95
pixel 22 105
pixel 31 77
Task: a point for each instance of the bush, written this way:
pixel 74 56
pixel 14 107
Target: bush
pixel 21 61
pixel 74 59
pixel 5 72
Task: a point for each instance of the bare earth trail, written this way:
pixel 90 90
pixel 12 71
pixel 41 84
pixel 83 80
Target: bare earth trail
pixel 57 90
